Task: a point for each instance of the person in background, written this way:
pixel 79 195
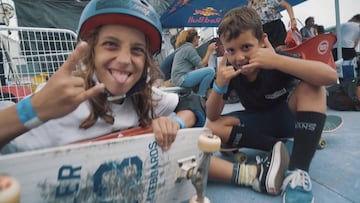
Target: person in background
pixel 188 69
pixel 166 64
pixel 308 31
pixel 348 65
pixel 269 12
pixel 350 37
pixel 120 43
pixel 320 29
pixel 282 97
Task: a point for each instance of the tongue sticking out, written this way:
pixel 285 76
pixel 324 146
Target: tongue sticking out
pixel 120 77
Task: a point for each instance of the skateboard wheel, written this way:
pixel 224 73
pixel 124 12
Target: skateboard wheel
pixel 209 143
pixel 194 200
pixel 9 190
pixel 322 143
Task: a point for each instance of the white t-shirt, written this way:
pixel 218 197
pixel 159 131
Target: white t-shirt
pixel 350 31
pixel 66 129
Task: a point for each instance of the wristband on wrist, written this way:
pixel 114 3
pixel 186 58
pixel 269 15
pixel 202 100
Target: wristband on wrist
pixel 27 114
pixel 179 121
pixel 220 90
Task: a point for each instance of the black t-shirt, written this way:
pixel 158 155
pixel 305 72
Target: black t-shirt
pixel 270 88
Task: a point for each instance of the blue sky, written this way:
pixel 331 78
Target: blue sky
pixel 324 11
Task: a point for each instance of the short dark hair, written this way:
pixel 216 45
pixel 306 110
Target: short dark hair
pixel 308 19
pixel 239 20
pixel 355 18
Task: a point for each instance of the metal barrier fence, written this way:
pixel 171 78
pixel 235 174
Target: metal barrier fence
pixel 29 56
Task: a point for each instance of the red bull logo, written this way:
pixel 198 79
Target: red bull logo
pixel 208 11
pixel 208 15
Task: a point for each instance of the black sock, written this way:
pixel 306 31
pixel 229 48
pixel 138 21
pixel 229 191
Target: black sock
pixel 308 129
pixel 239 137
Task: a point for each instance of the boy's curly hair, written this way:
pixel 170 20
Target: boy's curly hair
pixel 239 20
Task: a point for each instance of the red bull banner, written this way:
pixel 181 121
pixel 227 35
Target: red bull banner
pixel 197 13
pixel 201 13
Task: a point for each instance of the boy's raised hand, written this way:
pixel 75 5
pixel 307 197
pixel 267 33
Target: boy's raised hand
pixel 262 58
pixel 225 73
pixel 64 91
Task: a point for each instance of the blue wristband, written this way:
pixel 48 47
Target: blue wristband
pixel 220 90
pixel 27 114
pixel 179 121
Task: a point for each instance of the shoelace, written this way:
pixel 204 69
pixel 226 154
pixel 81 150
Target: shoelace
pixel 298 178
pixel 260 160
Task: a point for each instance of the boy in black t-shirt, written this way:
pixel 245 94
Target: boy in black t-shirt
pixel 262 78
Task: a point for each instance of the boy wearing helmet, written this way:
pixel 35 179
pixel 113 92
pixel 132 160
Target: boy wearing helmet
pixel 262 78
pixel 121 38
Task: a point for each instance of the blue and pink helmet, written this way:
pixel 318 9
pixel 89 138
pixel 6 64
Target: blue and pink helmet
pixel 138 14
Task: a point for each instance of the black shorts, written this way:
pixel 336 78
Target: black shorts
pixel 194 103
pixel 347 53
pixel 278 122
pixel 276 32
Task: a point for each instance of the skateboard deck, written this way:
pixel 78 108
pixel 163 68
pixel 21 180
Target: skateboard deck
pixel 332 123
pixel 127 169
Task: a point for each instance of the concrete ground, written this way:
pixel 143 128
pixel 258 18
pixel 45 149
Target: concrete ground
pixel 334 170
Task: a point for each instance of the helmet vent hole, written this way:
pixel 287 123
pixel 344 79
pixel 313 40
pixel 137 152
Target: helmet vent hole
pixel 144 2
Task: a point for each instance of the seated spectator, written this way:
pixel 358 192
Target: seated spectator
pixel 308 31
pixel 188 69
pixel 166 64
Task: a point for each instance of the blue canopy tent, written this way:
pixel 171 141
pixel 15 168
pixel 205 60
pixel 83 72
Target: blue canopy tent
pixel 201 13
pixel 208 13
pixel 196 13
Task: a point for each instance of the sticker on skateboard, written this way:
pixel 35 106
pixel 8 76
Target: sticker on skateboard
pixel 127 169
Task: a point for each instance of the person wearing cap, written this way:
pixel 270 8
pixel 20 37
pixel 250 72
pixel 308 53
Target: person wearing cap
pixel 121 37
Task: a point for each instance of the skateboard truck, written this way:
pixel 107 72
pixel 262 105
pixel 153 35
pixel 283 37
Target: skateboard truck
pixel 209 144
pixel 186 168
